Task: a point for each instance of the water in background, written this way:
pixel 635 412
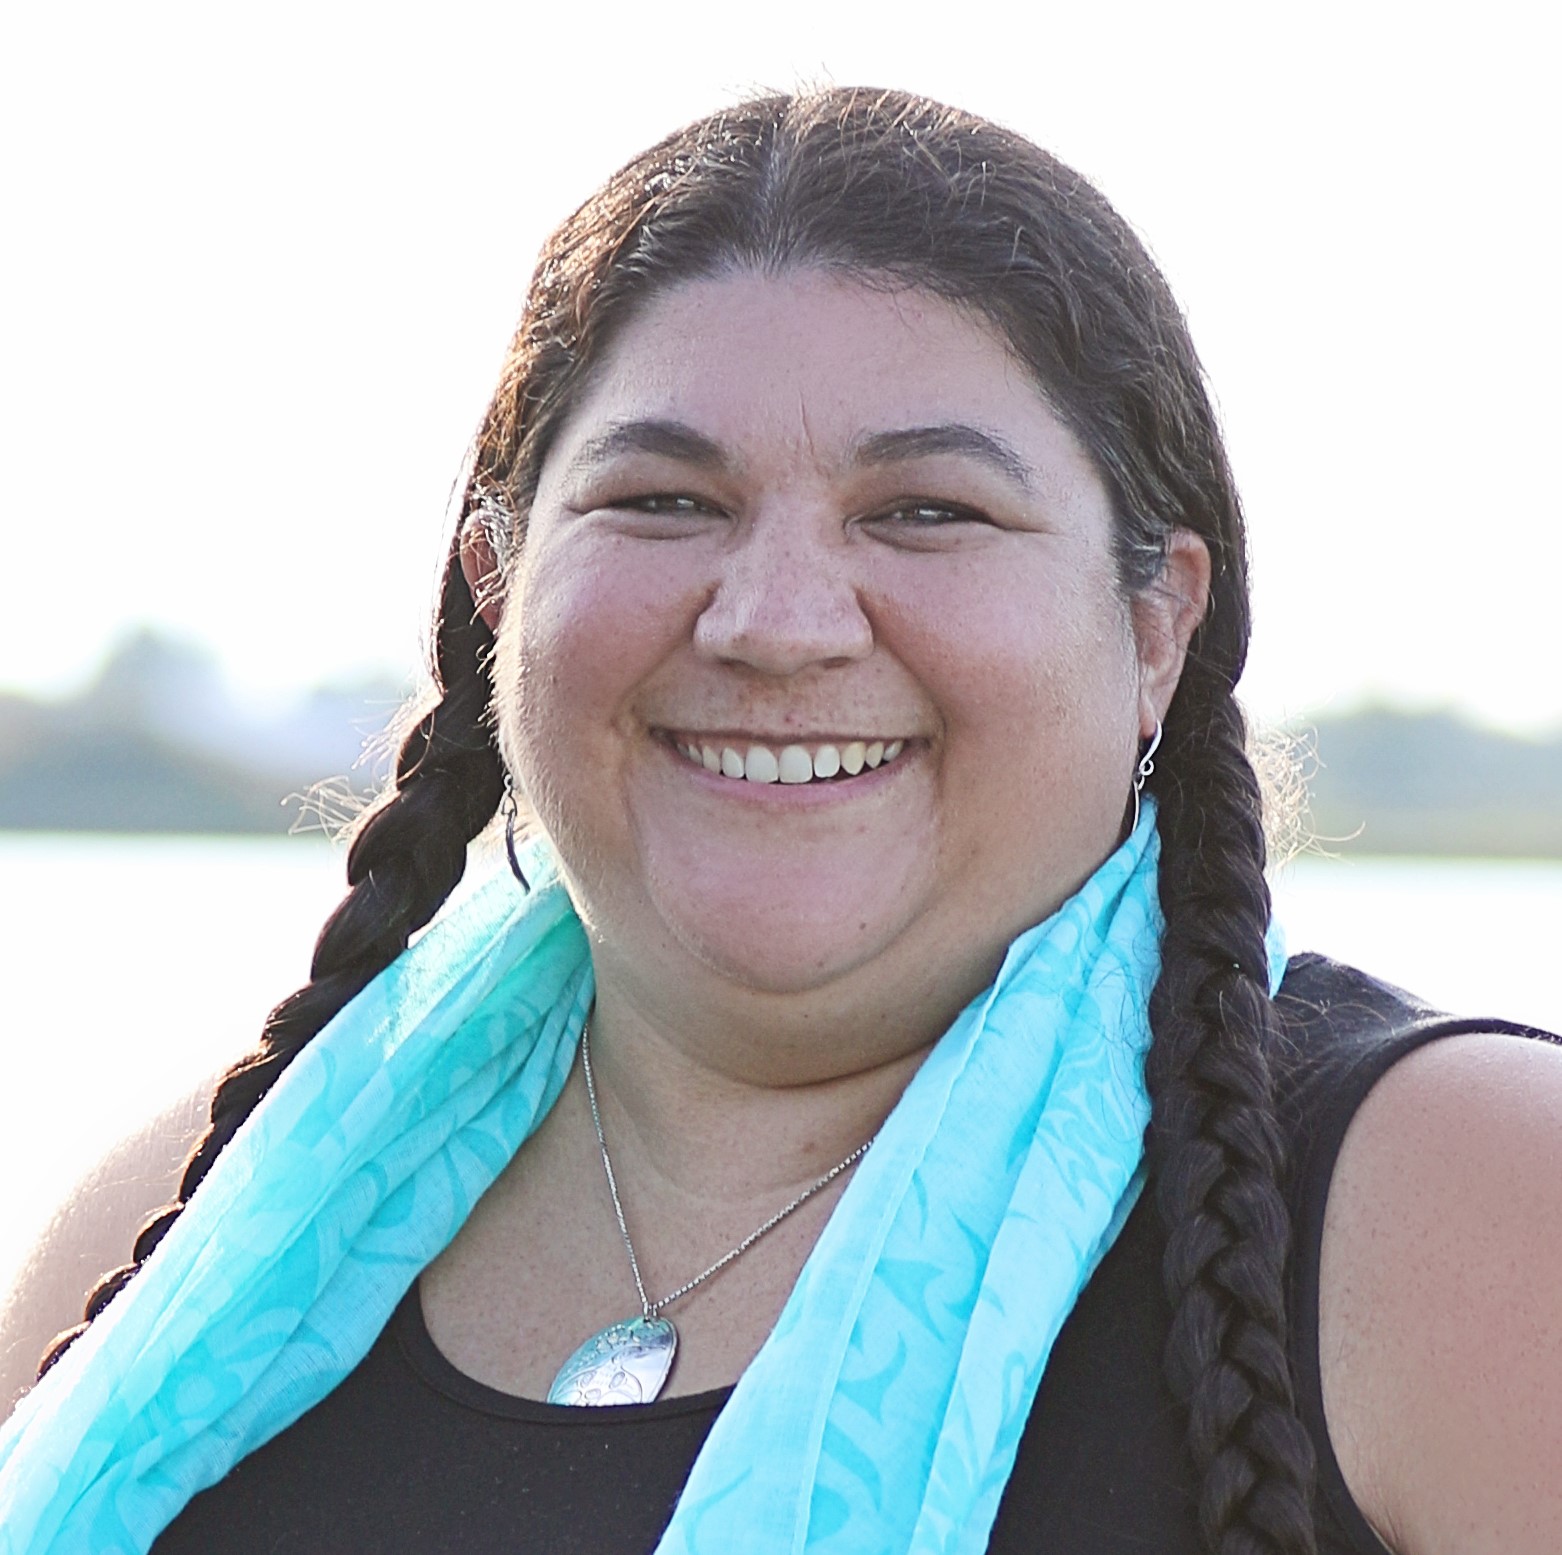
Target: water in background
pixel 134 966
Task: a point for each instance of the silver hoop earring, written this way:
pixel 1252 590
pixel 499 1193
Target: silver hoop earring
pixel 510 807
pixel 1143 770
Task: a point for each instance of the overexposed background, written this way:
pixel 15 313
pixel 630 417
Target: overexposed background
pixel 261 264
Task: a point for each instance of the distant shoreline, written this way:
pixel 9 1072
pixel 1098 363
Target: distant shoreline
pixel 156 746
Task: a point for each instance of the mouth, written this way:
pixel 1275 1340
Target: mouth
pixel 752 761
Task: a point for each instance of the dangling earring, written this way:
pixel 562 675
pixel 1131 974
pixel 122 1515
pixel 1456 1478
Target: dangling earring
pixel 510 808
pixel 1143 770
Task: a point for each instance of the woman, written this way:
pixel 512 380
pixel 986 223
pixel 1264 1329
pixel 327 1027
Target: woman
pixel 848 547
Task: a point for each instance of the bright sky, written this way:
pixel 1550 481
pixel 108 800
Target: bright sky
pixel 261 263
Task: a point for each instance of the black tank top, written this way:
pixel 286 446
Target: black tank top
pixel 408 1456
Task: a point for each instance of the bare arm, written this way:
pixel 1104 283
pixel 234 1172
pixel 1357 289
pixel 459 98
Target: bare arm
pixel 90 1234
pixel 1441 1318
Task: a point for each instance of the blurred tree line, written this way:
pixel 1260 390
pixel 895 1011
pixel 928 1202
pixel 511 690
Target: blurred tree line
pixel 157 743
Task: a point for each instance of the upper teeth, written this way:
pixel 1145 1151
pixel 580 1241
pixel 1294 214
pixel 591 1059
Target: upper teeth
pixel 792 763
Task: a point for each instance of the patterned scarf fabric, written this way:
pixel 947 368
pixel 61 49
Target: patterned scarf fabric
pixel 884 1411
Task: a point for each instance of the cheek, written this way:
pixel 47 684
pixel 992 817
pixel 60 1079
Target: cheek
pixel 583 628
pixel 1037 685
pixel 1024 647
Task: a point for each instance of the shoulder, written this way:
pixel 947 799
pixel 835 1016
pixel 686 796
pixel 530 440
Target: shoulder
pixel 1440 1331
pixel 91 1233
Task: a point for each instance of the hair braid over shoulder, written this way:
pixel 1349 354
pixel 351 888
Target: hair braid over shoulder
pixel 1215 1150
pixel 404 861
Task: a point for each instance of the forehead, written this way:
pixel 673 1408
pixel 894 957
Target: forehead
pixel 805 363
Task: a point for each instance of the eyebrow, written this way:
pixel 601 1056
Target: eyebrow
pixel 950 437
pixel 670 439
pixel 676 440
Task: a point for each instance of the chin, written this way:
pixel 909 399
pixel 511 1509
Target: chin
pixel 776 964
pixel 790 936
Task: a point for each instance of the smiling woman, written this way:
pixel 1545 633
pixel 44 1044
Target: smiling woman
pixel 830 549
pixel 851 585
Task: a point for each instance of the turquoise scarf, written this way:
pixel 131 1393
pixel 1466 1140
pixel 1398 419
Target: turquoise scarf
pixel 884 1411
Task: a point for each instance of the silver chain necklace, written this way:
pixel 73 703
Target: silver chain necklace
pixel 629 1362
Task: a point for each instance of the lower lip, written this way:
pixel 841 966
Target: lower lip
pixel 788 795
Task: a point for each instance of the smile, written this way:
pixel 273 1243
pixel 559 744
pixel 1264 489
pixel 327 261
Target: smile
pixel 755 763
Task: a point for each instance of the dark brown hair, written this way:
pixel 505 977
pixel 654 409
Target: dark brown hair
pixel 897 191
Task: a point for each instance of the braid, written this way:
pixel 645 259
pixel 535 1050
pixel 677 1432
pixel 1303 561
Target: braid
pixel 403 863
pixel 1215 1148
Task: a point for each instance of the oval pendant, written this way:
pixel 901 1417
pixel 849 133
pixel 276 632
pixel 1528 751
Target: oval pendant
pixel 625 1363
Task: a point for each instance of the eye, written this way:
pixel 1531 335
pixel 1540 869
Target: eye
pixel 676 505
pixel 664 502
pixel 931 515
pixel 926 521
pixel 659 515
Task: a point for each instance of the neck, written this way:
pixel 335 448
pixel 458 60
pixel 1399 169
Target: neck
pixel 716 1090
pixel 682 1118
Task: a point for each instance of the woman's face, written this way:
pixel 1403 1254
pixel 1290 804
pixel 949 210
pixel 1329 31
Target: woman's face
pixel 796 527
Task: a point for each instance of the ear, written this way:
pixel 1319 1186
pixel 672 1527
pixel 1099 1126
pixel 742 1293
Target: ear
pixel 480 566
pixel 1165 616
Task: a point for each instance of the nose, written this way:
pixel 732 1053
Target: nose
pixel 785 600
